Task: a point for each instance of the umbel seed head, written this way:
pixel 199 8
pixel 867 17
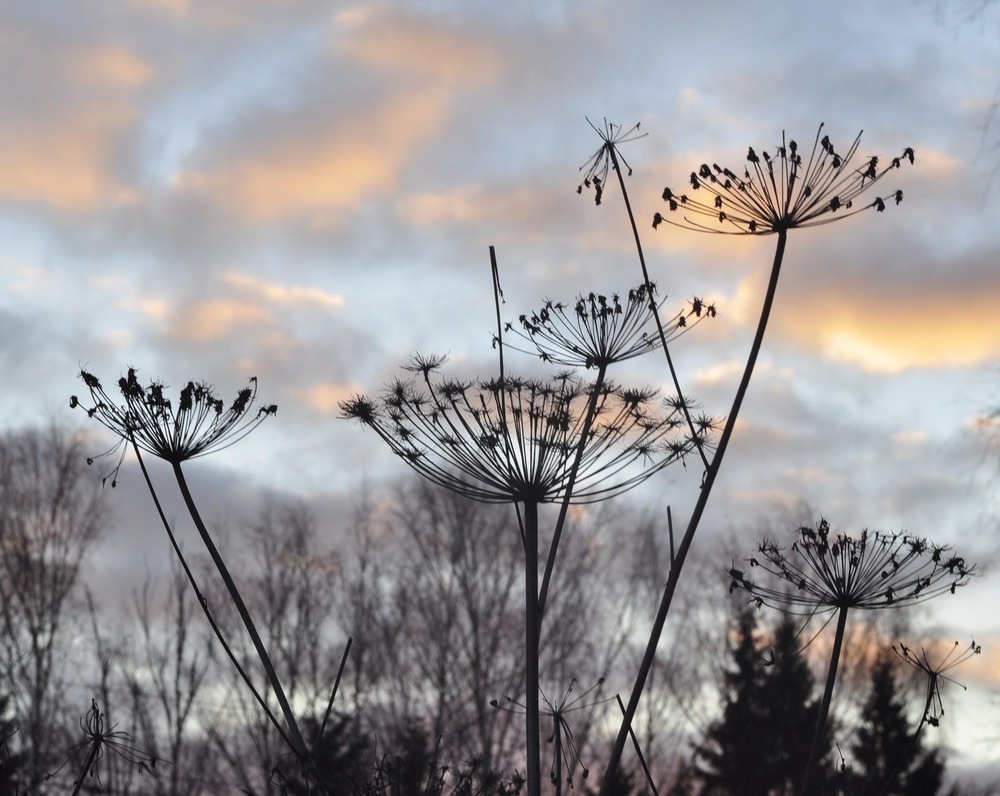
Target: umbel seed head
pixel 782 191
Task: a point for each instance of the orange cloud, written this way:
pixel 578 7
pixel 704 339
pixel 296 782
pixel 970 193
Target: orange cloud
pixel 331 169
pixel 111 65
pixel 388 39
pixel 889 336
pixel 61 162
pixel 176 8
pixel 472 205
pixel 280 294
pixel 214 319
pixel 326 397
pixel 56 149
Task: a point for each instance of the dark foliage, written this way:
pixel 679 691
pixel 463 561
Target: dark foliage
pixel 889 757
pixel 760 745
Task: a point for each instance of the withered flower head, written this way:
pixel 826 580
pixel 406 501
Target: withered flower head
pixel 512 440
pixel 98 741
pixel 198 424
pixel 595 170
pixel 567 757
pixel 935 673
pixel 597 331
pixel 835 571
pixel 782 191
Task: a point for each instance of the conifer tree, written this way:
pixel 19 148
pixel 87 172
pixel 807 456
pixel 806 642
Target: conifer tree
pixel 760 745
pixel 889 759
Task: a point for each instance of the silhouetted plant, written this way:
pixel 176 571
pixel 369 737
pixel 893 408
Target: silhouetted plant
pixel 526 442
pixel 515 440
pixel 98 742
pixel 824 572
pixel 886 756
pixel 597 331
pixel 783 193
pixel 935 673
pixel 566 757
pixel 780 195
pixel 199 424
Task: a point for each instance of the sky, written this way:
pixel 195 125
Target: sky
pixel 306 191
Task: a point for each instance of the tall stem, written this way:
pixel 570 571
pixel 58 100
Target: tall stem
pixel 588 421
pixel 298 744
pixel 95 747
pixel 201 597
pixel 824 708
pixel 652 302
pixel 531 624
pixel 681 555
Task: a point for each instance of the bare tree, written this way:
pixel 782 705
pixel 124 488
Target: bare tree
pixel 51 513
pixel 165 676
pixel 432 599
pixel 290 585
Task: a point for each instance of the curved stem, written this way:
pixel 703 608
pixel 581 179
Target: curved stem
pixel 202 601
pixel 699 509
pixel 298 744
pixel 824 708
pixel 652 304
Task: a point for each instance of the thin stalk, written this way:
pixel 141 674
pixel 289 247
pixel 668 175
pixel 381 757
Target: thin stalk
pixel 824 708
pixel 706 489
pixel 298 744
pixel 531 623
pixel 497 298
pixel 95 747
pixel 333 693
pixel 639 754
pixel 588 421
pixel 203 602
pixel 558 754
pixel 909 749
pixel 652 303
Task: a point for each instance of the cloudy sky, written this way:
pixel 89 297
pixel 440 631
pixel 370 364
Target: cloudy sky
pixel 306 192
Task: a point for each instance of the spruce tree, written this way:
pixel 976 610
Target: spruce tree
pixel 760 745
pixel 889 759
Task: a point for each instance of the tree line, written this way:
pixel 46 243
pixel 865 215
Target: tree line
pixel 427 588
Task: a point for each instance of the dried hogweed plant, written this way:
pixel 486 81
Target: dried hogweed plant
pixel 527 442
pixel 200 422
pixel 597 331
pixel 831 573
pixel 100 742
pixel 595 334
pixel 934 674
pixel 776 193
pixel 567 758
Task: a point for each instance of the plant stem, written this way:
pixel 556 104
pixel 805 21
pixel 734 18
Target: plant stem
pixel 201 598
pixel 588 421
pixel 557 751
pixel 824 708
pixel 297 743
pixel 95 747
pixel 652 302
pixel 531 639
pixel 699 509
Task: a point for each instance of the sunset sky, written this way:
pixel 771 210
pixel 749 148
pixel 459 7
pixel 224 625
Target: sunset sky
pixel 306 191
